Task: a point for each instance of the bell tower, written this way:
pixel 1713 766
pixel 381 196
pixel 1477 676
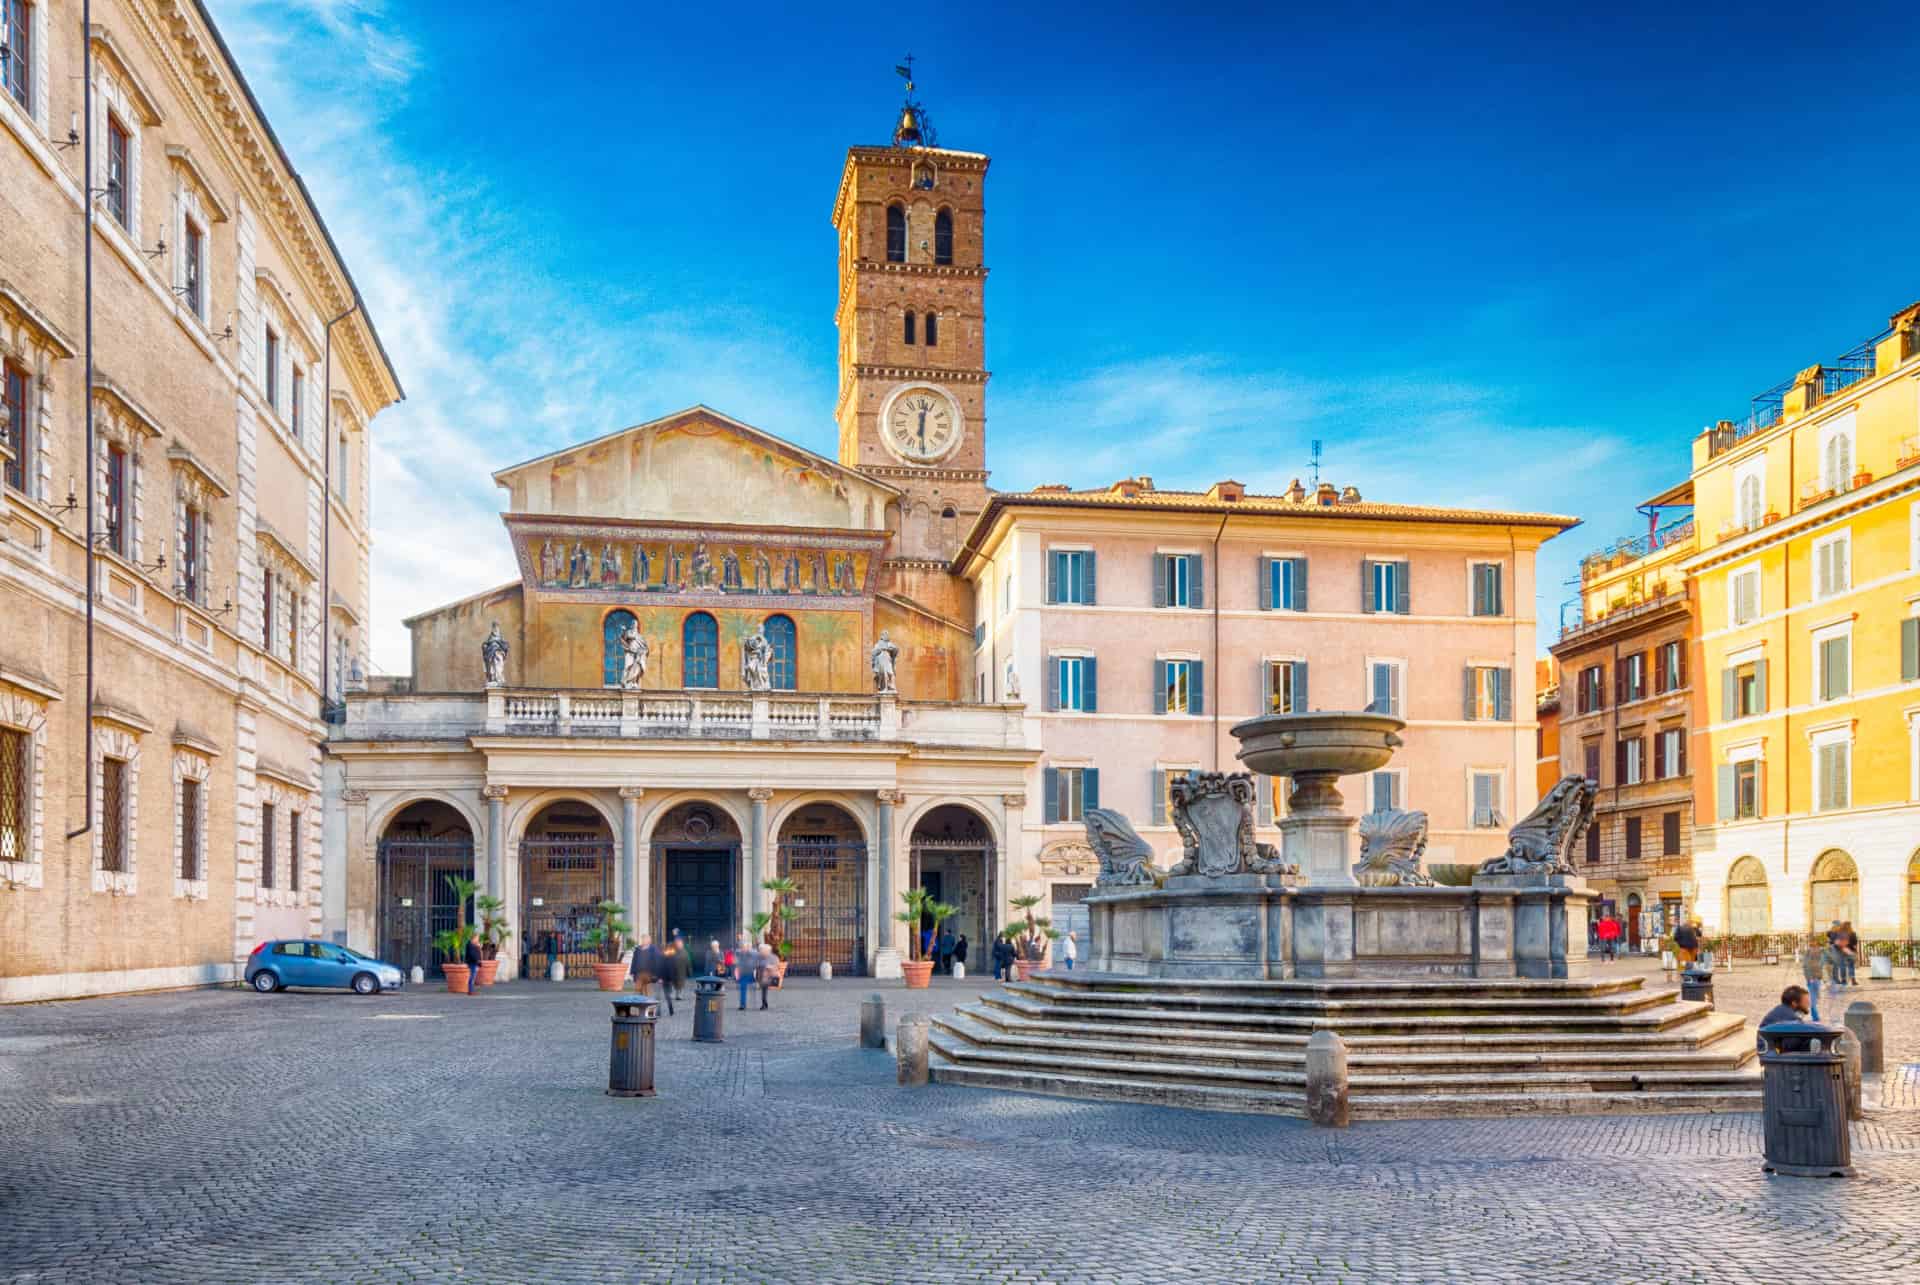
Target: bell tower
pixel 913 377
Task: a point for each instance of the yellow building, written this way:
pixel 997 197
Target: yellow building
pixel 1808 582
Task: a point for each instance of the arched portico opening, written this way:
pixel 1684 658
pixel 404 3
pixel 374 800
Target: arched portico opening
pixel 823 849
pixel 951 854
pixel 566 871
pixel 1913 897
pixel 695 868
pixel 424 848
pixel 1749 909
pixel 1833 891
pixel 1634 907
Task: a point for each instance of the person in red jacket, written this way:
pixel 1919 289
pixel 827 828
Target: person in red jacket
pixel 1608 931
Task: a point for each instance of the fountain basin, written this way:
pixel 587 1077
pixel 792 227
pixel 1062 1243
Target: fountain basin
pixel 1336 742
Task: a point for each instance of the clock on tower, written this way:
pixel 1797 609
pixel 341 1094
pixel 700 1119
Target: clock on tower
pixel 913 377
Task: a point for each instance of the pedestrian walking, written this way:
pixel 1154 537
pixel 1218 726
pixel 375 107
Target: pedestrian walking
pixel 1002 955
pixel 1070 950
pixel 745 963
pixel 650 966
pixel 680 957
pixel 1686 944
pixel 1849 954
pixel 1813 969
pixel 960 951
pixel 473 960
pixel 946 951
pixel 1608 932
pixel 772 969
pixel 716 962
pixel 1795 1005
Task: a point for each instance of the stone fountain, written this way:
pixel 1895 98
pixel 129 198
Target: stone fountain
pixel 1233 907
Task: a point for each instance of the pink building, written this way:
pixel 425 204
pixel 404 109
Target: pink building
pixel 1140 625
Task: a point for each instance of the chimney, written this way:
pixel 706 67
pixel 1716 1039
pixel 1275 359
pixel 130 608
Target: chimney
pixel 1326 494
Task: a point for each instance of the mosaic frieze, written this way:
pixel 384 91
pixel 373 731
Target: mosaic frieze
pixel 693 564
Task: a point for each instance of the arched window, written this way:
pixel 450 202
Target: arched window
pixel 699 651
pixel 943 237
pixel 933 329
pixel 612 655
pixel 896 234
pixel 1750 501
pixel 785 669
pixel 907 330
pixel 1749 911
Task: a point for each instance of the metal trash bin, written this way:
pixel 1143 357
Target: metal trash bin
pixel 1697 983
pixel 709 1002
pixel 630 1067
pixel 1804 1095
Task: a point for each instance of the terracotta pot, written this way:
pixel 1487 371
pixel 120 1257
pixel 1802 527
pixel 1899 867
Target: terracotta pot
pixel 611 977
pixel 917 972
pixel 1023 968
pixel 1862 478
pixel 489 969
pixel 458 975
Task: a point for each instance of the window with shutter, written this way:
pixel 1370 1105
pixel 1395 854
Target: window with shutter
pixel 1593 844
pixel 1090 684
pixel 1835 776
pixel 1486 800
pixel 1158 786
pixel 1670 834
pixel 1633 838
pixel 1910 649
pixel 1090 786
pixel 1835 681
pixel 1486 599
pixel 1050 790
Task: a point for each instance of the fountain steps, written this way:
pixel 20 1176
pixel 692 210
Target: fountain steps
pixel 1492 1049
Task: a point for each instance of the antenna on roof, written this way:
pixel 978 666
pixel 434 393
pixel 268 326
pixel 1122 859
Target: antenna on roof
pixel 1316 462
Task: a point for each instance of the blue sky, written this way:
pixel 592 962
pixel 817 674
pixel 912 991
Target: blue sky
pixel 1488 257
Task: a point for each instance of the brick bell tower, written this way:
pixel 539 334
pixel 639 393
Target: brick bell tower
pixel 913 377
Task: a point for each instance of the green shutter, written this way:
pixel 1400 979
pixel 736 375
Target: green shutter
pixel 1053 682
pixel 1404 588
pixel 1090 787
pixel 1087 594
pixel 1196 580
pixel 1159 580
pixel 1159 786
pixel 1910 649
pixel 1503 694
pixel 1159 686
pixel 1089 684
pixel 1760 684
pixel 1367 604
pixel 1050 787
pixel 1266 566
pixel 1196 687
pixel 1466 710
pixel 1300 687
pixel 1053 576
pixel 1299 584
pixel 1729 694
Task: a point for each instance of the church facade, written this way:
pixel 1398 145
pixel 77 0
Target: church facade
pixel 726 659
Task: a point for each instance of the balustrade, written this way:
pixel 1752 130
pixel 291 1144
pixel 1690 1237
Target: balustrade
pixel 744 715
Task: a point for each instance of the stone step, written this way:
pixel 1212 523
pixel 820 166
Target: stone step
pixel 1043 1021
pixel 956 1043
pixel 1460 1001
pixel 1664 1012
pixel 1326 987
pixel 985 1026
pixel 1241 1099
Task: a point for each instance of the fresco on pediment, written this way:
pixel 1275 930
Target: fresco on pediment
pixel 696 565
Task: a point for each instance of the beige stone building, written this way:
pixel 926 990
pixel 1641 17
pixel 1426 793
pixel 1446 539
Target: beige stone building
pixel 150 835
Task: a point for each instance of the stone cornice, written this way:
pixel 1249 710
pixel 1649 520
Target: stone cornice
pixel 959 162
pixel 15 305
pixel 932 373
pixel 182 159
pixel 109 53
pixel 179 455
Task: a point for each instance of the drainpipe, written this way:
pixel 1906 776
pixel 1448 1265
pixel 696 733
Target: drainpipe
pixel 1216 639
pixel 326 504
pixel 86 391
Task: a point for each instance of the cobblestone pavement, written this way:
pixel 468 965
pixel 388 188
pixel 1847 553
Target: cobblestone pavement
pixel 226 1136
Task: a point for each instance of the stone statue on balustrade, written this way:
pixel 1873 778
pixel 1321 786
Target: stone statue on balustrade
pixel 633 657
pixel 1013 682
pixel 1541 846
pixel 1126 860
pixel 1391 843
pixel 756 661
pixel 1213 811
pixel 885 652
pixel 493 657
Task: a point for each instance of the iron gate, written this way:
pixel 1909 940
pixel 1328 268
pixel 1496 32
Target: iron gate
pixel 418 899
pixel 562 883
pixel 830 896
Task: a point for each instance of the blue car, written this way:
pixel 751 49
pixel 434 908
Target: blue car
pixel 275 965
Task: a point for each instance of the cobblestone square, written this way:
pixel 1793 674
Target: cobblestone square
pixel 227 1136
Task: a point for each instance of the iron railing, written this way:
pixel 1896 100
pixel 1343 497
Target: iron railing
pixel 1767 408
pixel 1679 531
pixel 418 898
pixel 830 903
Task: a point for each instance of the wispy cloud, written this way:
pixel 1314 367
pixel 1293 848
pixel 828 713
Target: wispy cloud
pixel 499 363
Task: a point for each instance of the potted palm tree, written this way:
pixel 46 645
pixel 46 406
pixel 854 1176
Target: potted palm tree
pixel 1031 937
pixel 771 926
pixel 608 939
pixel 452 943
pixel 917 970
pixel 493 934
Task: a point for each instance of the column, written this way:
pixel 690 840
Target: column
pixel 886 957
pixel 632 893
pixel 495 883
pixel 757 868
pixel 1014 849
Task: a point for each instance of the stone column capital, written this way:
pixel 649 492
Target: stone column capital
pixel 492 792
pixel 631 792
pixel 891 798
pixel 1014 800
pixel 353 798
pixel 760 793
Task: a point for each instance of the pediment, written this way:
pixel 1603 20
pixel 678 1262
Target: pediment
pixel 697 466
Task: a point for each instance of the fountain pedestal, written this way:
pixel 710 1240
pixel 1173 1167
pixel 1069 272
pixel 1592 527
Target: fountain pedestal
pixel 1316 835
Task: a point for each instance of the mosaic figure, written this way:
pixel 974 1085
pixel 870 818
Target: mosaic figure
pixel 762 572
pixel 609 566
pixel 673 579
pixel 581 571
pixel 730 570
pixel 642 566
pixel 790 573
pixel 702 566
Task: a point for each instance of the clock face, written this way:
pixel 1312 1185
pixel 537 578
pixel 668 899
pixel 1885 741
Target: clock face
pixel 921 425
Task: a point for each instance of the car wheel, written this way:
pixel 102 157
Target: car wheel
pixel 265 982
pixel 366 984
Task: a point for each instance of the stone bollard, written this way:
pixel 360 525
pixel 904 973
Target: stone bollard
pixel 1849 1047
pixel 910 1047
pixel 826 970
pixel 873 1022
pixel 959 971
pixel 1327 1080
pixel 1863 1019
pixel 418 976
